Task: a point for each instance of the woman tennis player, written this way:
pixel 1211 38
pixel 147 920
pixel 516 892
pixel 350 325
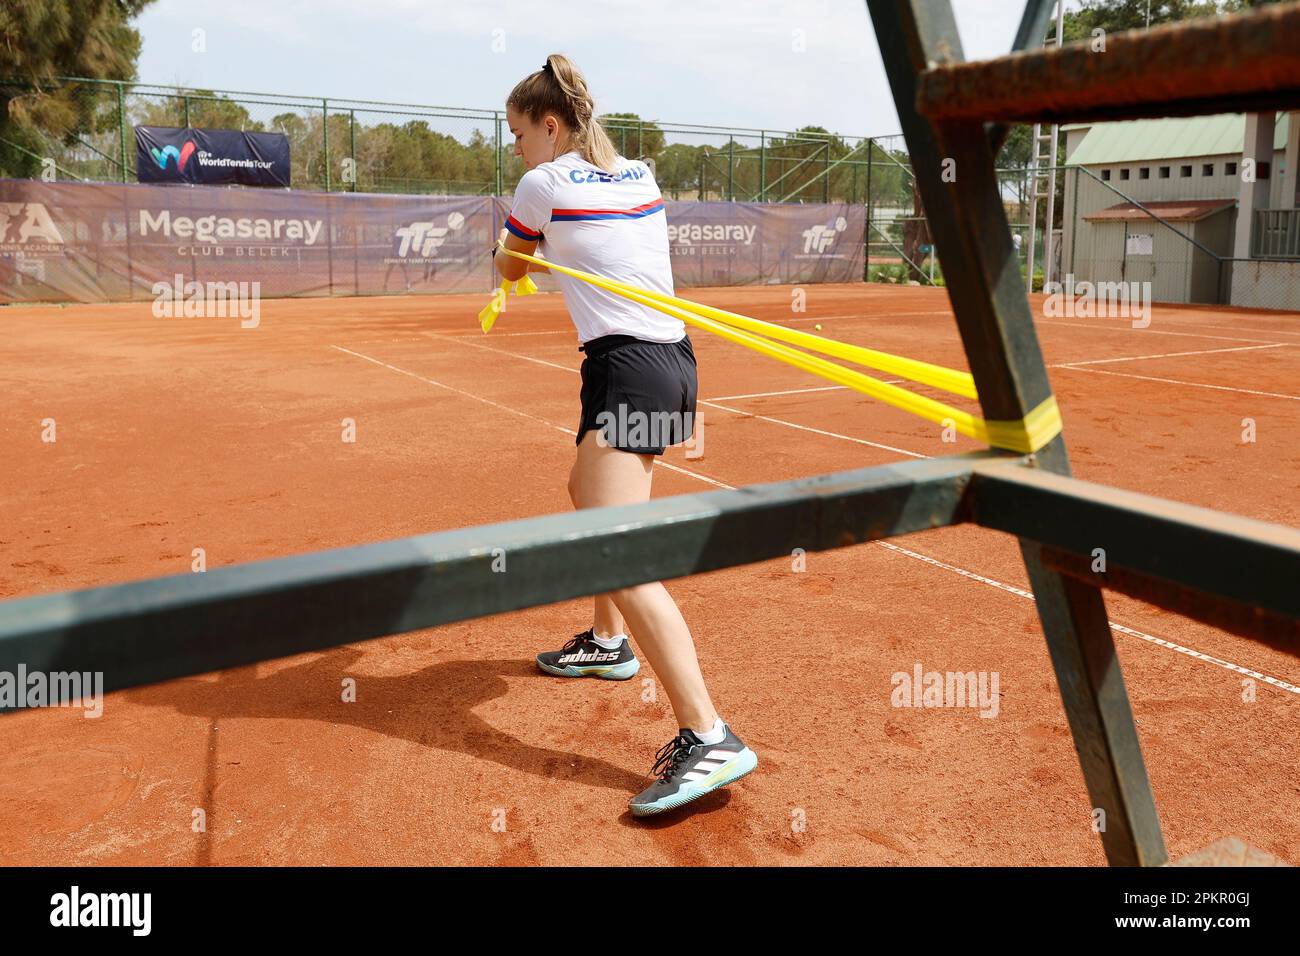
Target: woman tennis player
pixel 593 210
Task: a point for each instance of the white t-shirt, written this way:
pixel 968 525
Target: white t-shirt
pixel 611 225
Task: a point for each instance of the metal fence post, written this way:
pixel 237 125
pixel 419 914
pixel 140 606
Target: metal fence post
pixel 187 112
pixel 762 166
pixel 731 169
pixel 496 117
pixel 1074 221
pixel 352 145
pixel 121 125
pixel 325 132
pixel 826 173
pixel 866 268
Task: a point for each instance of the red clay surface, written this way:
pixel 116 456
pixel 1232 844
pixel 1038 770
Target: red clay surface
pixel 175 434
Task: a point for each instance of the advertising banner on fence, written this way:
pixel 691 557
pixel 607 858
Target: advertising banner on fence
pixel 736 243
pixel 102 242
pixel 211 157
pixel 98 242
pixel 721 243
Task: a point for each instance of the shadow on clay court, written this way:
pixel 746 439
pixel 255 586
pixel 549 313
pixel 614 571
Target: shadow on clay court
pixel 715 801
pixel 433 707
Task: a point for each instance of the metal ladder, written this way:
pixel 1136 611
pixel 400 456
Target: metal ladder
pixel 1042 181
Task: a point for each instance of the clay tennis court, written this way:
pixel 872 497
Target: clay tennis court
pixel 176 434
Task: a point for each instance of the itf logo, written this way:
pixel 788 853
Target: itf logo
pixel 820 238
pixel 182 155
pixel 422 239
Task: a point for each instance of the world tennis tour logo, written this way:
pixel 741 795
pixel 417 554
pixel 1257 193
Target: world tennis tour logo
pixel 25 689
pixel 168 153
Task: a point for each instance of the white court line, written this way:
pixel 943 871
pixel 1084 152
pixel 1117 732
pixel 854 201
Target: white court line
pixel 1124 328
pixel 516 355
pixel 1138 358
pixel 1174 381
pixel 798 391
pixel 458 391
pixel 499 335
pixel 1120 628
pixel 864 317
pixel 1235 328
pixel 1012 589
pixel 788 391
pixel 815 431
pixel 702 401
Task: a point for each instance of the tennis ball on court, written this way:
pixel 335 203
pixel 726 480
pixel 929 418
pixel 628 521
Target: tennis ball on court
pixel 818 327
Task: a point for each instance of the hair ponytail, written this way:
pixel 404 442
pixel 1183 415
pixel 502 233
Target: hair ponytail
pixel 560 88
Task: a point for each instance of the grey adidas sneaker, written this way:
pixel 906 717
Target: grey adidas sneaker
pixel 583 657
pixel 688 769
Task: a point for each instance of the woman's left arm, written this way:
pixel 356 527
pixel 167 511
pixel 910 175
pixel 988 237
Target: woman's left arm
pixel 511 268
pixel 530 214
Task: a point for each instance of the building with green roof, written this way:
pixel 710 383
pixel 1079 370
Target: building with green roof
pixel 1159 201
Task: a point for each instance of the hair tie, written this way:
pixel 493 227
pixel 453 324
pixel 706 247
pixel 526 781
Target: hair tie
pixel 546 67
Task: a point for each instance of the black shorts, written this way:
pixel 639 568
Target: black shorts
pixel 640 394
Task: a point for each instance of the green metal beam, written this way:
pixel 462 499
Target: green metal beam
pixel 1164 541
pixel 171 627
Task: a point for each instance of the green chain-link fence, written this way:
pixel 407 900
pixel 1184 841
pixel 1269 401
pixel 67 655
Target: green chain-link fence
pixel 372 146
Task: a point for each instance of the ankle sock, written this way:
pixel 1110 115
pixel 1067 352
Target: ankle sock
pixel 610 643
pixel 715 735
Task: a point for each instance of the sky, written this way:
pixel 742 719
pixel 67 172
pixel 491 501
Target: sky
pixel 758 63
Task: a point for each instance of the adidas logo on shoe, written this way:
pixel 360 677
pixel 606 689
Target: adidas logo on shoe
pixel 593 657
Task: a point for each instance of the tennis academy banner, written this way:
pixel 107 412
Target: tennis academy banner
pixel 211 157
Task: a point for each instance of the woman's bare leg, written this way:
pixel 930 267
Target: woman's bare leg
pixel 606 476
pixel 606 619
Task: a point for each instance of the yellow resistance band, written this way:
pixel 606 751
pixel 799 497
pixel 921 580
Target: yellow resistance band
pixel 488 317
pixel 1026 436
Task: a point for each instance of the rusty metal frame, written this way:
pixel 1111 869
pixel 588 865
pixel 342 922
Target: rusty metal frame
pixel 1231 64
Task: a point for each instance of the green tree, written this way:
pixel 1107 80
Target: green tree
pixel 634 137
pixel 1115 15
pixel 677 170
pixel 205 109
pixel 41 41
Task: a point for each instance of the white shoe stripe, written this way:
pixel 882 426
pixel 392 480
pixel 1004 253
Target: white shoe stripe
pixel 708 766
pixel 723 755
pixel 694 775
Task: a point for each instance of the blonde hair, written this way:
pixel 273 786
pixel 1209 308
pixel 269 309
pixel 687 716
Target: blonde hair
pixel 560 88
